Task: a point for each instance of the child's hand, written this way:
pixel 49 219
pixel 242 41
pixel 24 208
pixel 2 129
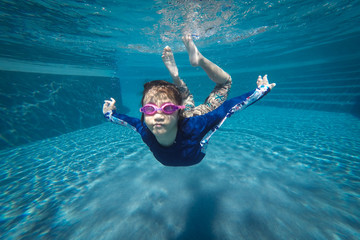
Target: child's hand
pixel 109 105
pixel 264 81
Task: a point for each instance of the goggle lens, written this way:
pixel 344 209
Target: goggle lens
pixel 169 108
pixel 148 109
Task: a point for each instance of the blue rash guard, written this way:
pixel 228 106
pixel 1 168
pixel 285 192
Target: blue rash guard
pixel 193 133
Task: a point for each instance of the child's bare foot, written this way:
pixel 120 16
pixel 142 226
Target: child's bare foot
pixel 169 61
pixel 264 81
pixel 194 54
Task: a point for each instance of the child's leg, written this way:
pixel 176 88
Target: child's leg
pixel 188 99
pixel 217 97
pixel 169 61
pixel 215 73
pixel 222 79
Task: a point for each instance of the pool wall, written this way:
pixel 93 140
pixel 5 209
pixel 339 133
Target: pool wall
pixel 35 106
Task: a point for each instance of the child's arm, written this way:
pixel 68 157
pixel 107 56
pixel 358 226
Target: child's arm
pixel 217 117
pixel 121 119
pixel 247 99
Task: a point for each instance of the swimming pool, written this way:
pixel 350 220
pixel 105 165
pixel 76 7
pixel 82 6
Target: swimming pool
pixel 285 168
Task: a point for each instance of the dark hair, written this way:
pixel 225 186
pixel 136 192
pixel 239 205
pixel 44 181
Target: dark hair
pixel 162 86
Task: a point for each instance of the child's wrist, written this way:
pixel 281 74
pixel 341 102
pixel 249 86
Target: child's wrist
pixel 264 88
pixel 109 113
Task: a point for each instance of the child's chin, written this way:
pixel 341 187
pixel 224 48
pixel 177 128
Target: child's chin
pixel 158 132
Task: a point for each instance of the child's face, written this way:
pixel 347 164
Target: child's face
pixel 161 124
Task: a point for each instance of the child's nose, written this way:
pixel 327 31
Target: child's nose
pixel 159 114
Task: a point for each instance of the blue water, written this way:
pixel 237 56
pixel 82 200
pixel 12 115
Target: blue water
pixel 285 168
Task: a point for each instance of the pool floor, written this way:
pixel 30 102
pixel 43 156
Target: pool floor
pixel 269 173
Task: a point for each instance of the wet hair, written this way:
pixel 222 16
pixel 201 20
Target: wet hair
pixel 163 89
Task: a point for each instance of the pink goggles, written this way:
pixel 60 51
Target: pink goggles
pixel 167 108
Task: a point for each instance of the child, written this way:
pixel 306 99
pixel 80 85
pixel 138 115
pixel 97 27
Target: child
pixel 215 73
pixel 173 139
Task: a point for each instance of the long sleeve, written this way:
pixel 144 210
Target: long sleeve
pixel 229 107
pixel 241 102
pixel 124 120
